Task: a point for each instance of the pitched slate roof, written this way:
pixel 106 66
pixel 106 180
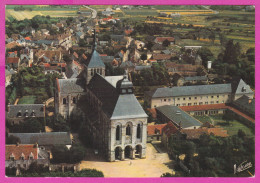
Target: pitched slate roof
pixel 17 151
pixel 113 79
pixel 178 116
pixel 107 59
pixel 142 67
pixel 126 64
pixel 191 90
pixel 196 78
pixel 127 106
pixel 243 88
pixel 50 138
pixel 26 109
pixel 246 103
pixel 95 61
pixel 73 85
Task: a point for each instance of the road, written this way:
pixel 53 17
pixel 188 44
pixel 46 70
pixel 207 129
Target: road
pixel 94 12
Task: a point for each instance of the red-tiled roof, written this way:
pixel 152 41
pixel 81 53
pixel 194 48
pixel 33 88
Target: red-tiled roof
pixel 77 64
pixel 27 38
pixel 203 107
pixel 161 56
pixel 128 31
pixel 152 129
pixel 75 54
pixel 196 133
pixel 102 55
pixel 12 60
pixel 170 129
pixel 161 39
pixel 18 150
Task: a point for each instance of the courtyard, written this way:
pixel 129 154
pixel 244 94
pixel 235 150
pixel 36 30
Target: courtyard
pixel 155 164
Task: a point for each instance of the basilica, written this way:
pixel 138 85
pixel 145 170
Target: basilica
pixel 116 122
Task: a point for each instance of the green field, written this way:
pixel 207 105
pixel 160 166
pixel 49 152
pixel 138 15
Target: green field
pixel 30 99
pixel 232 128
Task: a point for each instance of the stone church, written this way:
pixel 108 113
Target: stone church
pixel 116 122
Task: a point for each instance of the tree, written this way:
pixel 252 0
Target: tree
pixel 143 56
pixel 241 133
pixel 228 117
pixel 212 37
pixel 250 53
pixel 13 140
pixel 232 52
pixel 206 55
pixel 166 43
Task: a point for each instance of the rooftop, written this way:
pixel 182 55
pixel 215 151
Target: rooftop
pixel 50 138
pixel 17 151
pixel 178 116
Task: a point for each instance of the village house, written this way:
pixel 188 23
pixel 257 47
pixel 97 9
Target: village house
pixel 154 132
pixel 160 40
pixel 21 156
pixel 45 140
pixel 13 62
pixel 17 113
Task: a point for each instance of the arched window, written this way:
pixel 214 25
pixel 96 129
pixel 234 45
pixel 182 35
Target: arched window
pixel 138 135
pixel 92 72
pixel 74 100
pixel 118 132
pixel 128 130
pixel 100 71
pixel 64 101
pixel 95 71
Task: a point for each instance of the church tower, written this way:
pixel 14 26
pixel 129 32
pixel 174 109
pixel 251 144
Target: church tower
pixel 94 63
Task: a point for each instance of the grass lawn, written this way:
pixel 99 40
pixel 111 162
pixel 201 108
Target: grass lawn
pixel 30 99
pixel 232 128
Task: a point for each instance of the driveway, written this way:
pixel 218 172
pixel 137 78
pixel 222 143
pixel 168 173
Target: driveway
pixel 154 165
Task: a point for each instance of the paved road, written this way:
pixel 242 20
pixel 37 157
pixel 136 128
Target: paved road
pixel 154 165
pixel 94 12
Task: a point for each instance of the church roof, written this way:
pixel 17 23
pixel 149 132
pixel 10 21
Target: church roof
pixel 95 60
pixel 115 105
pixel 127 106
pixel 73 85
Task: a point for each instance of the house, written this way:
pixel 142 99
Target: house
pixel 17 113
pixel 45 140
pixel 245 104
pixel 73 69
pixel 139 68
pixel 13 62
pixel 170 130
pixel 192 134
pixel 182 69
pixel 48 56
pixel 21 156
pixel 161 57
pixel 8 75
pixel 160 40
pixel 180 81
pixel 154 132
pixel 177 116
pixel 128 66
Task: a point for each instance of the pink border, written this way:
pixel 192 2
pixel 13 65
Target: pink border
pixel 122 2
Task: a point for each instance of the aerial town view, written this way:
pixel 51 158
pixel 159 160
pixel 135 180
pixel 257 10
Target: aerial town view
pixel 129 91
